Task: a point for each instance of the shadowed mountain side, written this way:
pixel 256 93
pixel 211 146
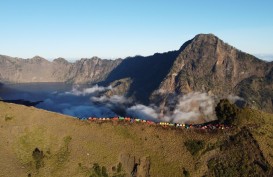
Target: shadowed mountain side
pixel 146 73
pixel 270 74
pixel 1 86
pixel 257 91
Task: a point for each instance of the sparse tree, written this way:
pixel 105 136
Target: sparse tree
pixel 97 169
pixel 226 112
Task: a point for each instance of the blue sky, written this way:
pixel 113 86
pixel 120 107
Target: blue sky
pixel 76 29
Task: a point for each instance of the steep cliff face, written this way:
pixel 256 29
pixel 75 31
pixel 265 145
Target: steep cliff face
pixel 203 64
pixel 17 70
pixel 38 69
pixel 208 64
pixel 61 69
pixel 145 74
pixel 257 91
pixel 91 70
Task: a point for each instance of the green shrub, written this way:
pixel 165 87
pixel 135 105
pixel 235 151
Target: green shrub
pixel 104 171
pixel 38 158
pixel 226 112
pixel 98 171
pixel 194 146
pixel 119 172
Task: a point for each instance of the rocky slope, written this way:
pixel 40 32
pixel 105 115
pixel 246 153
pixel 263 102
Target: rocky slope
pixel 209 65
pixel 145 73
pixel 204 64
pixel 37 69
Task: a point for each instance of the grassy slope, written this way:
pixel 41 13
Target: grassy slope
pixel 71 146
pixel 261 125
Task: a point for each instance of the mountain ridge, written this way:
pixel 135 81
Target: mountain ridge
pixel 202 64
pixel 38 69
pixel 209 65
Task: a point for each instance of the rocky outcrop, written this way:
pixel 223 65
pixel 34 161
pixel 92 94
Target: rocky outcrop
pixel 91 70
pixel 38 69
pixel 120 87
pixel 257 91
pixel 136 167
pixel 17 70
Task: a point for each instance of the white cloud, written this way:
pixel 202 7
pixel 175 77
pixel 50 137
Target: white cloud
pixel 88 91
pixel 143 112
pixel 193 107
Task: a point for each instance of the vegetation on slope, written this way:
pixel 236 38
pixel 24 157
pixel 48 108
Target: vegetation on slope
pixel 41 143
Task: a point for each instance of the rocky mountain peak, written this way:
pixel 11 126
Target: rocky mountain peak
pixel 38 59
pixel 60 60
pixel 95 58
pixel 205 41
pixel 203 36
pixel 203 64
pixel 207 64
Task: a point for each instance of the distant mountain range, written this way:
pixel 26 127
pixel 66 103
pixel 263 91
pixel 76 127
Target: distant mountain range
pixel 38 69
pixel 203 64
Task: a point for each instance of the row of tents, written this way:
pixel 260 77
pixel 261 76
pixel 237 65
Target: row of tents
pixel 211 126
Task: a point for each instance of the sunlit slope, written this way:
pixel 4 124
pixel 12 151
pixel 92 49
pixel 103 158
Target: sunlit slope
pixel 70 147
pixel 261 126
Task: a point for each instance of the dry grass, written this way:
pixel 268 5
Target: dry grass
pixel 67 142
pixel 261 124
